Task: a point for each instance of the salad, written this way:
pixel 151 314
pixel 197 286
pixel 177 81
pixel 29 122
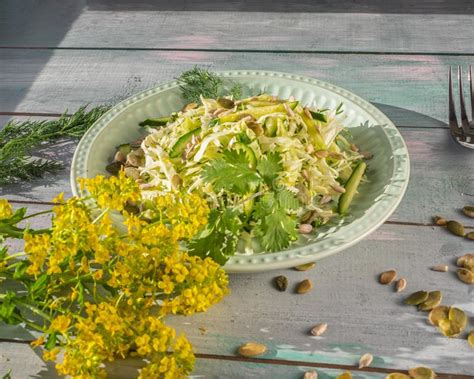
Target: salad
pixel 270 169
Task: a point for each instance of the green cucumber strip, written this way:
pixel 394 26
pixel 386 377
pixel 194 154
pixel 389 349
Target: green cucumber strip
pixel 182 142
pixel 257 112
pixel 155 121
pixel 351 188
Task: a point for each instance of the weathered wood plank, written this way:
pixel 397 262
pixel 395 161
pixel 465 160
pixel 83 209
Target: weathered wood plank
pixel 363 316
pixel 24 362
pixel 440 172
pixel 412 89
pixel 343 26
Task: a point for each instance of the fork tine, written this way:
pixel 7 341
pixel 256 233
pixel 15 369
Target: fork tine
pixel 464 119
pixel 453 121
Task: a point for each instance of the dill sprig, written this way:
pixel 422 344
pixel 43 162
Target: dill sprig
pixel 199 81
pixel 20 139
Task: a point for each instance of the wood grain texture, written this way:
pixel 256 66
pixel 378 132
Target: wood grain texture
pixel 363 316
pixel 412 90
pixel 342 26
pixel 441 171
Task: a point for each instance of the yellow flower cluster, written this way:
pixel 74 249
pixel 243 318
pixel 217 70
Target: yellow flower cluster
pixel 107 293
pixel 113 192
pixel 6 210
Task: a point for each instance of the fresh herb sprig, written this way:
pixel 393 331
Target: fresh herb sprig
pixel 199 82
pixel 20 140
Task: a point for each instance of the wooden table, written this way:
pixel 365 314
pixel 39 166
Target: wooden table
pixel 58 55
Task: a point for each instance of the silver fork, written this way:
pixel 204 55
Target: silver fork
pixel 463 134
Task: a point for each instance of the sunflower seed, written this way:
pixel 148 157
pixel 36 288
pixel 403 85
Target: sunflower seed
pixel 308 113
pixel 455 228
pixel 365 360
pixel 437 314
pixel 305 228
pixel 304 286
pixel 387 277
pixel 438 220
pixel 252 349
pixel 468 211
pixel 281 282
pixel 465 275
pixel 433 300
pixel 319 329
pixel 310 375
pixel 338 188
pixel 325 199
pixel 401 284
pixel 305 267
pixel 421 373
pixel 321 154
pixel 416 298
pixel 440 268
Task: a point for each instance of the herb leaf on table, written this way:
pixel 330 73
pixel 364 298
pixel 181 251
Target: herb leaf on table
pixel 19 141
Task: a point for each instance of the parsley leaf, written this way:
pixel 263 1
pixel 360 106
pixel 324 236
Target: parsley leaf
pixel 276 228
pixel 269 167
pixel 232 173
pixel 219 240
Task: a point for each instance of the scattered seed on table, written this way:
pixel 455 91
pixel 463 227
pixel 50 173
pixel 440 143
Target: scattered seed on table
pixel 387 277
pixel 440 268
pixel 438 220
pixel 281 282
pixel 319 329
pixel 401 285
pixel 365 360
pixel 310 375
pixel 252 349
pixel 305 267
pixel 304 286
pixel 455 227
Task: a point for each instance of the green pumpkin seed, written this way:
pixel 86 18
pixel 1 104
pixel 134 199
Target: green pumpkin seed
pixel 470 235
pixel 416 298
pixel 470 338
pixel 449 328
pixel 458 317
pixel 437 314
pixel 466 276
pixel 468 211
pixel 433 300
pixel 421 373
pixel 455 228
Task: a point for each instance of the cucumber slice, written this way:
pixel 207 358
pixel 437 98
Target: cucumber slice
pixel 315 136
pixel 155 121
pixel 271 126
pixel 257 112
pixel 351 188
pixel 319 116
pixel 181 143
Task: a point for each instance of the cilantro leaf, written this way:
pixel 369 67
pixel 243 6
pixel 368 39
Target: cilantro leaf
pixel 276 228
pixel 219 240
pixel 269 167
pixel 232 173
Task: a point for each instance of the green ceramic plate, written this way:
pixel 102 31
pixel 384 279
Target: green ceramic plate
pixel 387 175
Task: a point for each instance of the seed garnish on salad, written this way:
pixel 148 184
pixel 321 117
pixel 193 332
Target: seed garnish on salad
pixel 270 168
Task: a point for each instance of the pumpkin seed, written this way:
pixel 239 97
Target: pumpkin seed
pixel 345 375
pixel 114 167
pixel 438 313
pixel 132 172
pixel 449 329
pixel 387 277
pixel 416 298
pixel 305 267
pixel 252 349
pixel 188 107
pixel 397 375
pixel 458 316
pixel 305 228
pixel 310 375
pixel 468 211
pixel 470 339
pixel 466 261
pixel 438 220
pixel 281 282
pixel 440 268
pixel 319 329
pixel 465 275
pixel 421 373
pixel 304 286
pixel 455 228
pixel 401 284
pixel 226 103
pixel 470 235
pixel 365 360
pixel 120 157
pixel 434 299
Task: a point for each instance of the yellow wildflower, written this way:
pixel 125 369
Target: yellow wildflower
pixel 50 355
pixel 6 210
pixel 38 342
pixel 61 324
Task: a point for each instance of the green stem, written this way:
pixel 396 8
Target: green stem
pixel 30 324
pixel 101 215
pixel 37 214
pixel 8 257
pixel 37 311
